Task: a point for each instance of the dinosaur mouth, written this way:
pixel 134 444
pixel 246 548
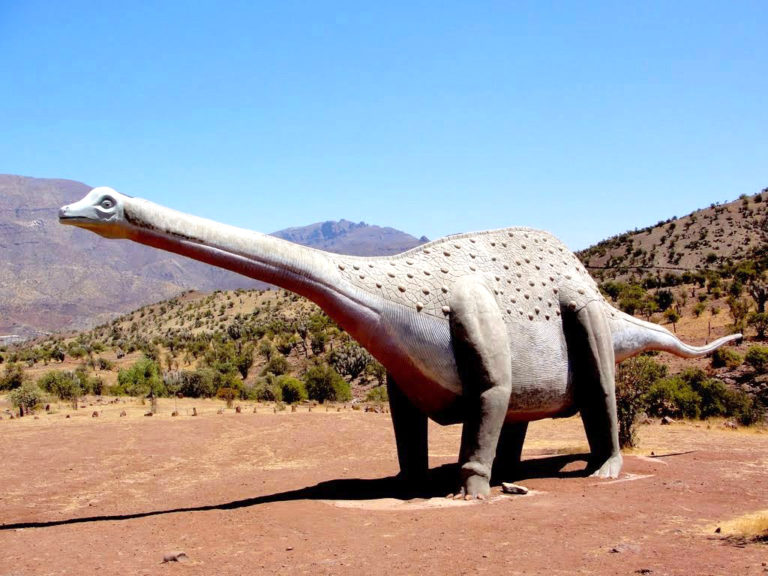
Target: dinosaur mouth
pixel 74 220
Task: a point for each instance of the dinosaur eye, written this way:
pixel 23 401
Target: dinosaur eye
pixel 107 203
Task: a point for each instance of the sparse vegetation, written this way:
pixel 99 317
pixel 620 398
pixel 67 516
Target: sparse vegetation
pixel 324 383
pixel 634 379
pixel 26 397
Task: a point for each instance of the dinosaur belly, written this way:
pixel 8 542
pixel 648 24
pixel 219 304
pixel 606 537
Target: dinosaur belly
pixel 541 382
pixel 416 350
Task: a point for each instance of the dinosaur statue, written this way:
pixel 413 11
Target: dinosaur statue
pixel 491 329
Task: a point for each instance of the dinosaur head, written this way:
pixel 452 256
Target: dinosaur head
pixel 102 211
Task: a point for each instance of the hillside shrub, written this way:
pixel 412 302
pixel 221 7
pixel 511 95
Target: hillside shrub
pixel 378 394
pixel 324 383
pixel 140 379
pixel 692 394
pixel 726 358
pixel 746 409
pixel 228 394
pixel 758 321
pixel 634 378
pixel 350 360
pixel 664 299
pixel 716 398
pixel 277 365
pixel 200 383
pixel 757 357
pixel 673 397
pixel 13 376
pixel 267 390
pixel 26 397
pixel 63 385
pixel 292 389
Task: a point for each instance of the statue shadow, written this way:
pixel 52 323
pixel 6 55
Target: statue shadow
pixel 441 482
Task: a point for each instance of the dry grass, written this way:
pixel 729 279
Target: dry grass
pixel 752 527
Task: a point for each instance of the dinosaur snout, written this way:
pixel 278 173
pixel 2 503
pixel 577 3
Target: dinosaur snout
pixel 63 212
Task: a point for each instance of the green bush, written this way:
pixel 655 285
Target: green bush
pixel 228 394
pixel 104 364
pixel 267 390
pixel 26 397
pixel 200 383
pixel 277 365
pixel 715 395
pixel 746 409
pixel 140 379
pixel 758 321
pixel 63 385
pixel 350 360
pixel 324 383
pixel 377 394
pixel 726 358
pixel 674 397
pixel 13 376
pixel 292 389
pixel 691 394
pixel 634 378
pixel 757 357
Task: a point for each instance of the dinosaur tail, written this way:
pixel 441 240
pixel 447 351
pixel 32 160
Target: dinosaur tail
pixel 631 336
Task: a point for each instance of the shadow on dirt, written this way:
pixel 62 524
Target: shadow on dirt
pixel 440 482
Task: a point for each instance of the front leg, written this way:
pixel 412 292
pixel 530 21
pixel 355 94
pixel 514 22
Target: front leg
pixel 410 426
pixel 481 347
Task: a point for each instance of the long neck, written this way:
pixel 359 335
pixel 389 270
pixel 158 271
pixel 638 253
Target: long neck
pixel 299 269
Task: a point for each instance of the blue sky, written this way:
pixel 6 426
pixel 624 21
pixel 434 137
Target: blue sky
pixel 582 118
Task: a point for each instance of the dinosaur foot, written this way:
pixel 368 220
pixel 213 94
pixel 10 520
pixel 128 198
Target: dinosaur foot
pixel 412 485
pixel 475 487
pixel 610 468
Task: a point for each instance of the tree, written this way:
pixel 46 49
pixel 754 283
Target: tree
pixel 64 385
pixel 141 379
pixel 26 397
pixel 739 308
pixel 672 317
pixel 634 377
pixel 324 383
pixel 758 289
pixel 277 365
pixel 631 298
pixel 266 348
pixel 13 376
pixel 350 360
pixel 244 359
pixel 664 299
pixel 758 321
pixel 757 357
pixel 292 389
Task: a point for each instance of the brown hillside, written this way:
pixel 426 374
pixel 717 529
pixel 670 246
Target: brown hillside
pixel 701 240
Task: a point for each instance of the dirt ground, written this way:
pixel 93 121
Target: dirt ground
pixel 312 493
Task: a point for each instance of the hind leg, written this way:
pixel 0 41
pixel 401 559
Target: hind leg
pixel 509 450
pixel 596 392
pixel 481 349
pixel 410 435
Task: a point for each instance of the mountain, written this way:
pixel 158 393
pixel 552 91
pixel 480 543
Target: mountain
pixel 345 237
pixel 719 235
pixel 55 277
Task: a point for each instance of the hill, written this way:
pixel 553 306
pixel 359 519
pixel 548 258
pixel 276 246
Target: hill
pixel 54 277
pixel 707 239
